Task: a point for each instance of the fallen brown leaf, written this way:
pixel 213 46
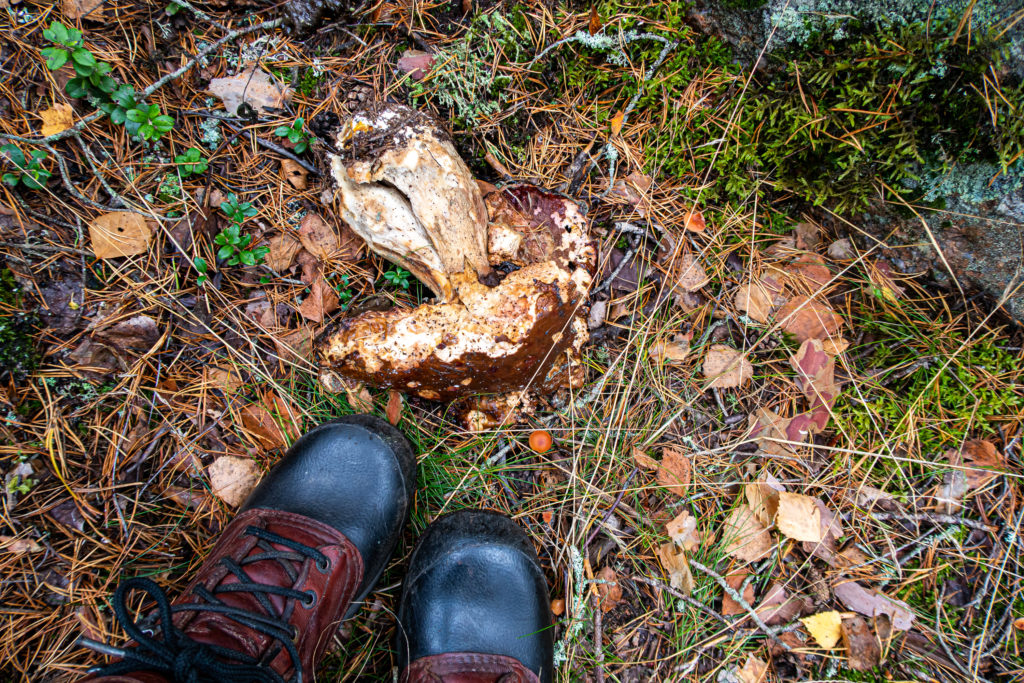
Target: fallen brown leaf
pixel 674 471
pixel 694 221
pixel 735 579
pixel 226 379
pixel 294 174
pixel 271 421
pixel 745 537
pixel 816 373
pixel 841 250
pixel 81 9
pixel 691 275
pixel 753 670
pixel 252 86
pixel 808 235
pixel 726 367
pixel 799 517
pixel 594 25
pixel 19 546
pixel 393 411
pixel 119 233
pixel 318 236
pixel 321 301
pixel 671 350
pixel 679 575
pixel 779 607
pixel 416 63
pixel 358 396
pixel 980 453
pixel 296 346
pixel 644 461
pixel 57 118
pixel 763 499
pixel 755 300
pixel 233 478
pixel 683 531
pixel 609 592
pixel 862 649
pixel 869 603
pixel 617 121
pixel 806 318
pixel 283 249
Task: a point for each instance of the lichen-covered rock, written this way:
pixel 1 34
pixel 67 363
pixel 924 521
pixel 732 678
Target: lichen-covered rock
pixel 511 270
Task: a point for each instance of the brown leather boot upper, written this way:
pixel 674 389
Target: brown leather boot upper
pixel 267 599
pixel 467 667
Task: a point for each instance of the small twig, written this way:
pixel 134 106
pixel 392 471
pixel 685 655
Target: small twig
pixel 46 248
pixel 98 114
pixel 615 273
pixel 598 638
pixel 679 595
pixel 770 631
pixel 611 510
pixel 933 518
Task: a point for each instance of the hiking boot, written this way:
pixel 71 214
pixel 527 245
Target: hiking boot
pixel 474 605
pixel 305 548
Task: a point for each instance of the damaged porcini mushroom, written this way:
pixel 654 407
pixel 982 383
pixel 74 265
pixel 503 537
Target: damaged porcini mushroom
pixel 510 272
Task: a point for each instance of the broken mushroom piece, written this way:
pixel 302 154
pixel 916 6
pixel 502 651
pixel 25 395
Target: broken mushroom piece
pixel 405 190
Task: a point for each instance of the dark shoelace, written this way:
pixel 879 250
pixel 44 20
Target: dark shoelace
pixel 174 654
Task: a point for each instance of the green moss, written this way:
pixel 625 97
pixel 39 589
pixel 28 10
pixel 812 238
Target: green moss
pixel 943 404
pixel 19 356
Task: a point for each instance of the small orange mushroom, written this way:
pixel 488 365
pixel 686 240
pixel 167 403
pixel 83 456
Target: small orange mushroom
pixel 540 441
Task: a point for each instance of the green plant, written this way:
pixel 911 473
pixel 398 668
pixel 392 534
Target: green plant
pixel 234 246
pixel 399 277
pixel 92 76
pixel 295 135
pixel 93 81
pixel 28 170
pixel 191 162
pixel 199 263
pixel 19 484
pixel 344 293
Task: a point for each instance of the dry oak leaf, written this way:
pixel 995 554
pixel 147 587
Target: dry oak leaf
pixel 799 517
pixel 674 471
pixel 119 233
pixel 643 460
pixel 679 575
pixel 294 174
pixel 233 478
pixel 19 546
pixel 726 367
pixel 609 591
pixel 283 249
pixel 745 537
pixel 252 86
pixel 869 603
pixel 752 671
pixel 735 579
pixel 226 379
pixel 824 627
pixel 81 9
pixel 393 411
pixel 321 301
pixel 808 273
pixel 671 350
pixel 683 531
pixel 806 318
pixel 57 118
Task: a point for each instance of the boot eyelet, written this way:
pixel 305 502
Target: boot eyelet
pixel 310 599
pixel 324 565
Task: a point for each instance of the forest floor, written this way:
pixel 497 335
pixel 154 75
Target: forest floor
pixel 790 460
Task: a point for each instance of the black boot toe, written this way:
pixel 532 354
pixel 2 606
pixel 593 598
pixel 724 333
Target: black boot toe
pixel 475 586
pixel 356 474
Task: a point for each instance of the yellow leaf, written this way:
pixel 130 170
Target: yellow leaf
pixel 57 118
pixel 119 233
pixel 825 628
pixel 617 122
